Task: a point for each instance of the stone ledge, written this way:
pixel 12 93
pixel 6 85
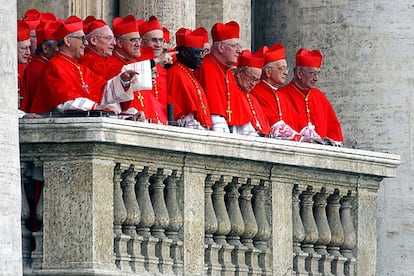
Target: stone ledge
pixel 207 143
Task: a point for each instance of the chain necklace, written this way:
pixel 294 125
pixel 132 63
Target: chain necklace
pixel 84 85
pixel 197 86
pixel 275 94
pixel 253 112
pixel 226 80
pixel 306 99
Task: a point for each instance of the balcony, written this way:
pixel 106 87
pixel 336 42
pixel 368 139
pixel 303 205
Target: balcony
pixel 127 198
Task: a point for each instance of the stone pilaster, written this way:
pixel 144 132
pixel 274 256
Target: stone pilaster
pixel 78 215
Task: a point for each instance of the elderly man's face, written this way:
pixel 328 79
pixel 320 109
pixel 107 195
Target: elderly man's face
pixel 23 51
pixel 308 76
pixel 155 40
pixel 130 45
pixel 247 77
pixel 103 41
pixel 231 50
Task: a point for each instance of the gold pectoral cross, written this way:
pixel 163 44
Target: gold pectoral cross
pixel 141 98
pixel 229 114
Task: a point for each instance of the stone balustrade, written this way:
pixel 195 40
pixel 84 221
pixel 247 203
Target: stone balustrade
pixel 127 198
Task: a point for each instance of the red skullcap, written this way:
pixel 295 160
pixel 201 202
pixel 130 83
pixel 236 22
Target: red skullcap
pixel 150 25
pixel 221 31
pixel 70 25
pixel 251 60
pixel 307 58
pixel 187 38
pixel 45 31
pixel 23 31
pixel 125 25
pixel 274 53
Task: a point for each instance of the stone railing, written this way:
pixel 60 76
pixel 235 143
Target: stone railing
pixel 124 198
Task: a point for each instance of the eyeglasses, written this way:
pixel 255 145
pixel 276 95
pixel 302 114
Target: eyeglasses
pixel 108 37
pixel 313 74
pixel 24 49
pixel 236 46
pixel 136 39
pixel 83 38
pixel 251 78
pixel 155 40
pixel 281 69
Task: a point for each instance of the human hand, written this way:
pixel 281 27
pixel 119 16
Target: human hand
pixel 32 115
pixel 139 116
pixel 128 75
pixel 165 58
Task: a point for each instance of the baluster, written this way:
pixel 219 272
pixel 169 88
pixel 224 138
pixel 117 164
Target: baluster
pixel 263 227
pixel 298 234
pixel 122 258
pixel 319 212
pixel 25 214
pixel 176 220
pixel 212 265
pixel 224 226
pixel 37 254
pixel 147 220
pixel 349 234
pixel 133 215
pixel 237 226
pixel 311 231
pixel 250 227
pixel 337 233
pixel 162 249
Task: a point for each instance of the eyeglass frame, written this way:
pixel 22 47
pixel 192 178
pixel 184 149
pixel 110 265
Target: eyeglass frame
pixel 233 46
pixel 251 79
pixel 154 40
pixel 83 38
pixel 108 37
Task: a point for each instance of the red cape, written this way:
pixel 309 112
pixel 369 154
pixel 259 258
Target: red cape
pixel 267 98
pixel 187 95
pixel 212 75
pixel 98 64
pixel 61 82
pixel 32 75
pixel 257 116
pixel 20 83
pixel 322 115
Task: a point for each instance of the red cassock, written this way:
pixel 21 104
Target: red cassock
pixel 257 116
pixel 64 79
pixel 144 100
pixel 223 98
pixel 32 75
pixel 20 83
pixel 187 95
pixel 321 113
pixel 98 64
pixel 270 100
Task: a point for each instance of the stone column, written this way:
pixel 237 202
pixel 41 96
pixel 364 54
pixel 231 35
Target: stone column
pixel 173 14
pixel 10 203
pixel 78 214
pixel 208 12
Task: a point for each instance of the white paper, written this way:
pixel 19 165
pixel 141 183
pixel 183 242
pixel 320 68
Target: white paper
pixel 143 80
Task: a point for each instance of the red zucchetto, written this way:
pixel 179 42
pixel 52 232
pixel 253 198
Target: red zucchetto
pixel 70 25
pixel 249 59
pixel 125 25
pixel 23 31
pixel 150 25
pixel 221 31
pixel 187 38
pixel 307 58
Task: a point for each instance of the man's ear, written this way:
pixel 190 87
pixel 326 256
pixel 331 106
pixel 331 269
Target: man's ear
pixel 45 48
pixel 220 47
